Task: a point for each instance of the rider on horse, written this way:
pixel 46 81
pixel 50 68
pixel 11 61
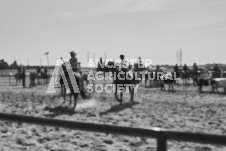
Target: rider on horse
pixel 176 70
pixel 73 61
pixel 185 68
pixel 216 71
pixel 124 66
pixel 100 65
pixel 195 69
pixel 75 68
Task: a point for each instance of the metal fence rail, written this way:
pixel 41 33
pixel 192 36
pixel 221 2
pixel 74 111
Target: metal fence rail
pixel 160 134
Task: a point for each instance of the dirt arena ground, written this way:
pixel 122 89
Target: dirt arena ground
pixel 184 110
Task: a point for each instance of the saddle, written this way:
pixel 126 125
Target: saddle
pixel 77 75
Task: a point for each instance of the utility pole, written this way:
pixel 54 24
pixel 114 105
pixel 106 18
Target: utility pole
pixel 87 57
pixel 94 59
pixel 28 62
pixel 47 55
pixel 93 56
pixel 105 56
pixel 181 57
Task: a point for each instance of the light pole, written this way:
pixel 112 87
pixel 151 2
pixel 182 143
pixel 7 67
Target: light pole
pixel 47 54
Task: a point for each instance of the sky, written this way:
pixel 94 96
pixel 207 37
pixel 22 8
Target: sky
pixel 151 29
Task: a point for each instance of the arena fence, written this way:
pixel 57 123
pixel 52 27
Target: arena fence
pixel 161 135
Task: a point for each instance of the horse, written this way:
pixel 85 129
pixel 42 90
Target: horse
pixel 167 78
pixel 39 77
pixel 195 76
pixel 18 76
pixel 151 75
pixel 70 86
pixel 45 76
pixel 218 83
pixel 32 79
pixel 123 80
pixel 204 79
pixel 185 75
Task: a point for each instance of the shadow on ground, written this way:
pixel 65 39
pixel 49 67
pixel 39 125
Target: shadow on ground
pixel 211 92
pixel 59 110
pixel 118 108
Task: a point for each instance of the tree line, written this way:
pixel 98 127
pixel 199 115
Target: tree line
pixel 14 65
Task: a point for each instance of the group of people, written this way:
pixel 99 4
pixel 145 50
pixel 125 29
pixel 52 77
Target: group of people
pixel 21 75
pixel 124 66
pixel 195 71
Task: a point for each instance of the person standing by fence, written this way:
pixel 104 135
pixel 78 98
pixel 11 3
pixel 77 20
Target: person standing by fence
pixel 23 77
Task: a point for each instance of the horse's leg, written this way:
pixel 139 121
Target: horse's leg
pixel 64 95
pixel 61 90
pixel 121 97
pixel 200 88
pixel 131 89
pixel 212 89
pixel 217 89
pixel 75 99
pixel 162 85
pixel 70 96
pixel 116 91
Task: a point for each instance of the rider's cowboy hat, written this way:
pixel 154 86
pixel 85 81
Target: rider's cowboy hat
pixel 73 53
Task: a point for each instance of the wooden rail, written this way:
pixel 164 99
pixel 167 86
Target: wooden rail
pixel 161 135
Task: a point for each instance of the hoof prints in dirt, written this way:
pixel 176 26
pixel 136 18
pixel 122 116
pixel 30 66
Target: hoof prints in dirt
pixel 185 110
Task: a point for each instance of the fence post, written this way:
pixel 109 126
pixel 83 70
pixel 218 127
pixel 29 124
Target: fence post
pixel 161 144
pixel 9 79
